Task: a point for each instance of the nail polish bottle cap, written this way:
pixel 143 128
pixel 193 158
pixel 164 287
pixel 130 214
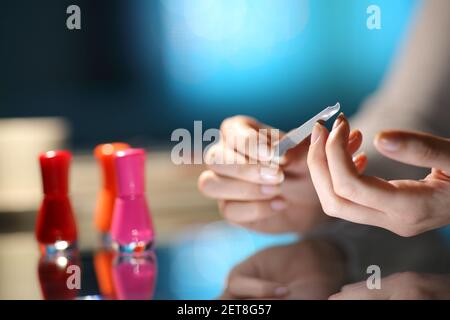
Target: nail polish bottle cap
pixel 130 172
pixel 55 171
pixel 105 154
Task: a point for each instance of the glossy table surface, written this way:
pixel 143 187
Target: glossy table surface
pixel 195 249
pixel 195 264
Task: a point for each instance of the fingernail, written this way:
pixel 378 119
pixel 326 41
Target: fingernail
pixel 269 190
pixel 278 205
pixel 389 144
pixel 281 291
pixel 446 173
pixel 316 133
pixel 358 157
pixel 271 174
pixel 338 120
pixel 353 137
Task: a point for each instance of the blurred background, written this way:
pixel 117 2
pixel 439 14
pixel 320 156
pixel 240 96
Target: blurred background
pixel 139 69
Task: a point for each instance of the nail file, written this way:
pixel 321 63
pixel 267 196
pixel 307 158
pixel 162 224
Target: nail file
pixel 295 136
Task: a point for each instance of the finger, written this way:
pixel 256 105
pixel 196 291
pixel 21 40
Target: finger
pixel 360 294
pixel 294 162
pixel 354 286
pixel 248 287
pixel 249 137
pixel 250 211
pixel 418 149
pixel 232 164
pixel 357 291
pixel 347 182
pixel 218 187
pixel 332 204
pixel 354 141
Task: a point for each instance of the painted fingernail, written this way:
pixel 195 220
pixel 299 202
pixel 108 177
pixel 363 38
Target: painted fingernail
pixel 358 157
pixel 269 190
pixel 389 144
pixel 270 174
pixel 338 120
pixel 278 205
pixel 281 291
pixel 316 133
pixel 353 136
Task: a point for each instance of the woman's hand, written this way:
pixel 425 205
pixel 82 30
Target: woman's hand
pixel 406 207
pixel 256 195
pixel 400 286
pixel 310 269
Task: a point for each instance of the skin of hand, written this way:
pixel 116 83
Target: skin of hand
pixel 255 194
pixel 400 286
pixel 405 207
pixel 310 269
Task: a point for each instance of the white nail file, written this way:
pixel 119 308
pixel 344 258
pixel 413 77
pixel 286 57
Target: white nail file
pixel 295 136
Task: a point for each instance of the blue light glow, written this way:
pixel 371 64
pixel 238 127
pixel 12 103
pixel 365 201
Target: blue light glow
pixel 221 40
pixel 224 57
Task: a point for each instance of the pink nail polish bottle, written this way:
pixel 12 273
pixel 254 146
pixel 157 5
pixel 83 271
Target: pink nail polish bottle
pixel 135 277
pixel 132 228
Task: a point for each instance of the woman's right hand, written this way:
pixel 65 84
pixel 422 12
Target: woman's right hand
pixel 255 194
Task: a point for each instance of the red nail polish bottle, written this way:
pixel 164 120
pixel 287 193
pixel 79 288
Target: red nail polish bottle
pixel 55 226
pixel 53 272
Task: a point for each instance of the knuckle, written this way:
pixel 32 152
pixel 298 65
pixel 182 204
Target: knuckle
pixel 229 122
pixel 406 233
pixel 332 208
pixel 409 223
pixel 345 189
pixel 203 180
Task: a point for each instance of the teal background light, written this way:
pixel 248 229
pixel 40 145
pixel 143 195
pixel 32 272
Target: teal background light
pixel 279 61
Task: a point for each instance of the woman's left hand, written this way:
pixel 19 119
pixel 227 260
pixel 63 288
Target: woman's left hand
pixel 406 207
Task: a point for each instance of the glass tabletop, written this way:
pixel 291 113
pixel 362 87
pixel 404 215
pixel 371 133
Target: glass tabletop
pixel 196 263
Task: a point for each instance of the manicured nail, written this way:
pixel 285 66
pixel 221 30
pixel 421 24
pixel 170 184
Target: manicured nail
pixel 389 144
pixel 446 173
pixel 338 120
pixel 316 133
pixel 278 205
pixel 270 174
pixel 358 156
pixel 353 137
pixel 269 190
pixel 281 291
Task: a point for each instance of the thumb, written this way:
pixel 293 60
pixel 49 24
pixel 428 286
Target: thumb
pixel 418 149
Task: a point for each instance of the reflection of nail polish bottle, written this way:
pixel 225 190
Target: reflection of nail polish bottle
pixel 54 273
pixel 108 192
pixel 55 226
pixel 132 228
pixel 135 276
pixel 103 264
